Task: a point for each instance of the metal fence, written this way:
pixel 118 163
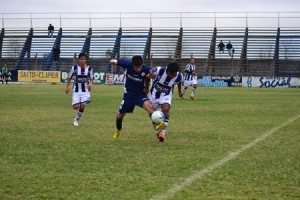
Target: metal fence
pixel 151 19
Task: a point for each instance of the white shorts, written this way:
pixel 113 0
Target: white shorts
pixel 160 101
pixel 81 97
pixel 190 83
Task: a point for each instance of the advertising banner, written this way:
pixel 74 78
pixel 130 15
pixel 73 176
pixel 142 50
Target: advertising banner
pixel 39 76
pixel 114 79
pixel 99 77
pixel 118 79
pixel 109 79
pixel 215 81
pixel 271 82
pixel 12 76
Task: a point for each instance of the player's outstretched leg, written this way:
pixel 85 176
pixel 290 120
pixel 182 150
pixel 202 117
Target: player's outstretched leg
pixel 193 94
pixel 118 129
pixel 161 125
pixel 116 134
pixel 161 136
pixel 161 133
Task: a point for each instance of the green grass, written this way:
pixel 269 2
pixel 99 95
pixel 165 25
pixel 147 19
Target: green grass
pixel 43 156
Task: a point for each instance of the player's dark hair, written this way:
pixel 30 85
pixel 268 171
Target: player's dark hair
pixel 173 67
pixel 82 54
pixel 137 60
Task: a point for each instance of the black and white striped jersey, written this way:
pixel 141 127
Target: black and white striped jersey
pixel 189 68
pixel 162 84
pixel 82 77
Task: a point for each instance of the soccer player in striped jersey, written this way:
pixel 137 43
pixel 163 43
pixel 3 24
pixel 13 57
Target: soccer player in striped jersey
pixel 190 78
pixel 164 80
pixel 135 89
pixel 83 80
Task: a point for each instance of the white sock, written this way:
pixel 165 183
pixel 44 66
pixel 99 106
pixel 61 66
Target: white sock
pixel 193 92
pixel 183 91
pixel 166 126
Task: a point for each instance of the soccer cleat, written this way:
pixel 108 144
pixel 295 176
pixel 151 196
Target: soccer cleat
pixel 161 136
pixel 116 134
pixel 193 98
pixel 160 126
pixel 75 122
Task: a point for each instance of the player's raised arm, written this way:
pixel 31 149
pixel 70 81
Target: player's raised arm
pixel 150 75
pixel 121 63
pixel 113 61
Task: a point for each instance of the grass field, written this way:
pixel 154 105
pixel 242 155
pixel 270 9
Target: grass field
pixel 232 143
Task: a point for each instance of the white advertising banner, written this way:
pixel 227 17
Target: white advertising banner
pixel 270 82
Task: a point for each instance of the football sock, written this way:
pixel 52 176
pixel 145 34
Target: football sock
pixel 119 124
pixel 78 115
pixel 166 120
pixel 193 92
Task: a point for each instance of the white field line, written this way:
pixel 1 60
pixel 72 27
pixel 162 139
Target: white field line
pixel 232 155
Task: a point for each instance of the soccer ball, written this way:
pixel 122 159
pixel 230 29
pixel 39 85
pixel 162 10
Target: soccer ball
pixel 157 116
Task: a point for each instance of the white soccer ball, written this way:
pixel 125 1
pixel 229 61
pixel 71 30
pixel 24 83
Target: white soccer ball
pixel 157 116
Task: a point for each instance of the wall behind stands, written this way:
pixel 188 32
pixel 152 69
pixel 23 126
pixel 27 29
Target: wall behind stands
pixel 21 76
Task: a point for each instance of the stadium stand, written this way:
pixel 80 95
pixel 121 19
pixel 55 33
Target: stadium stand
pixel 261 51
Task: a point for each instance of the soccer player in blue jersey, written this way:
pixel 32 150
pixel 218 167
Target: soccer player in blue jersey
pixel 190 78
pixel 135 89
pixel 164 80
pixel 83 80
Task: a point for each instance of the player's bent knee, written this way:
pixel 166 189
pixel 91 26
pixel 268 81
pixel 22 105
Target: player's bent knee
pixel 148 106
pixel 75 106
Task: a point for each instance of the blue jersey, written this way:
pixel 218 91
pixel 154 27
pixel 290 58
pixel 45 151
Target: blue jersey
pixel 134 82
pixel 162 85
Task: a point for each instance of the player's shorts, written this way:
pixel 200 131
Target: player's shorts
pixel 160 101
pixel 5 76
pixel 81 97
pixel 192 82
pixel 129 102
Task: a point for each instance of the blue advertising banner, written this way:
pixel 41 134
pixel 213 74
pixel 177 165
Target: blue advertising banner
pixel 271 82
pixel 210 81
pixel 12 76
